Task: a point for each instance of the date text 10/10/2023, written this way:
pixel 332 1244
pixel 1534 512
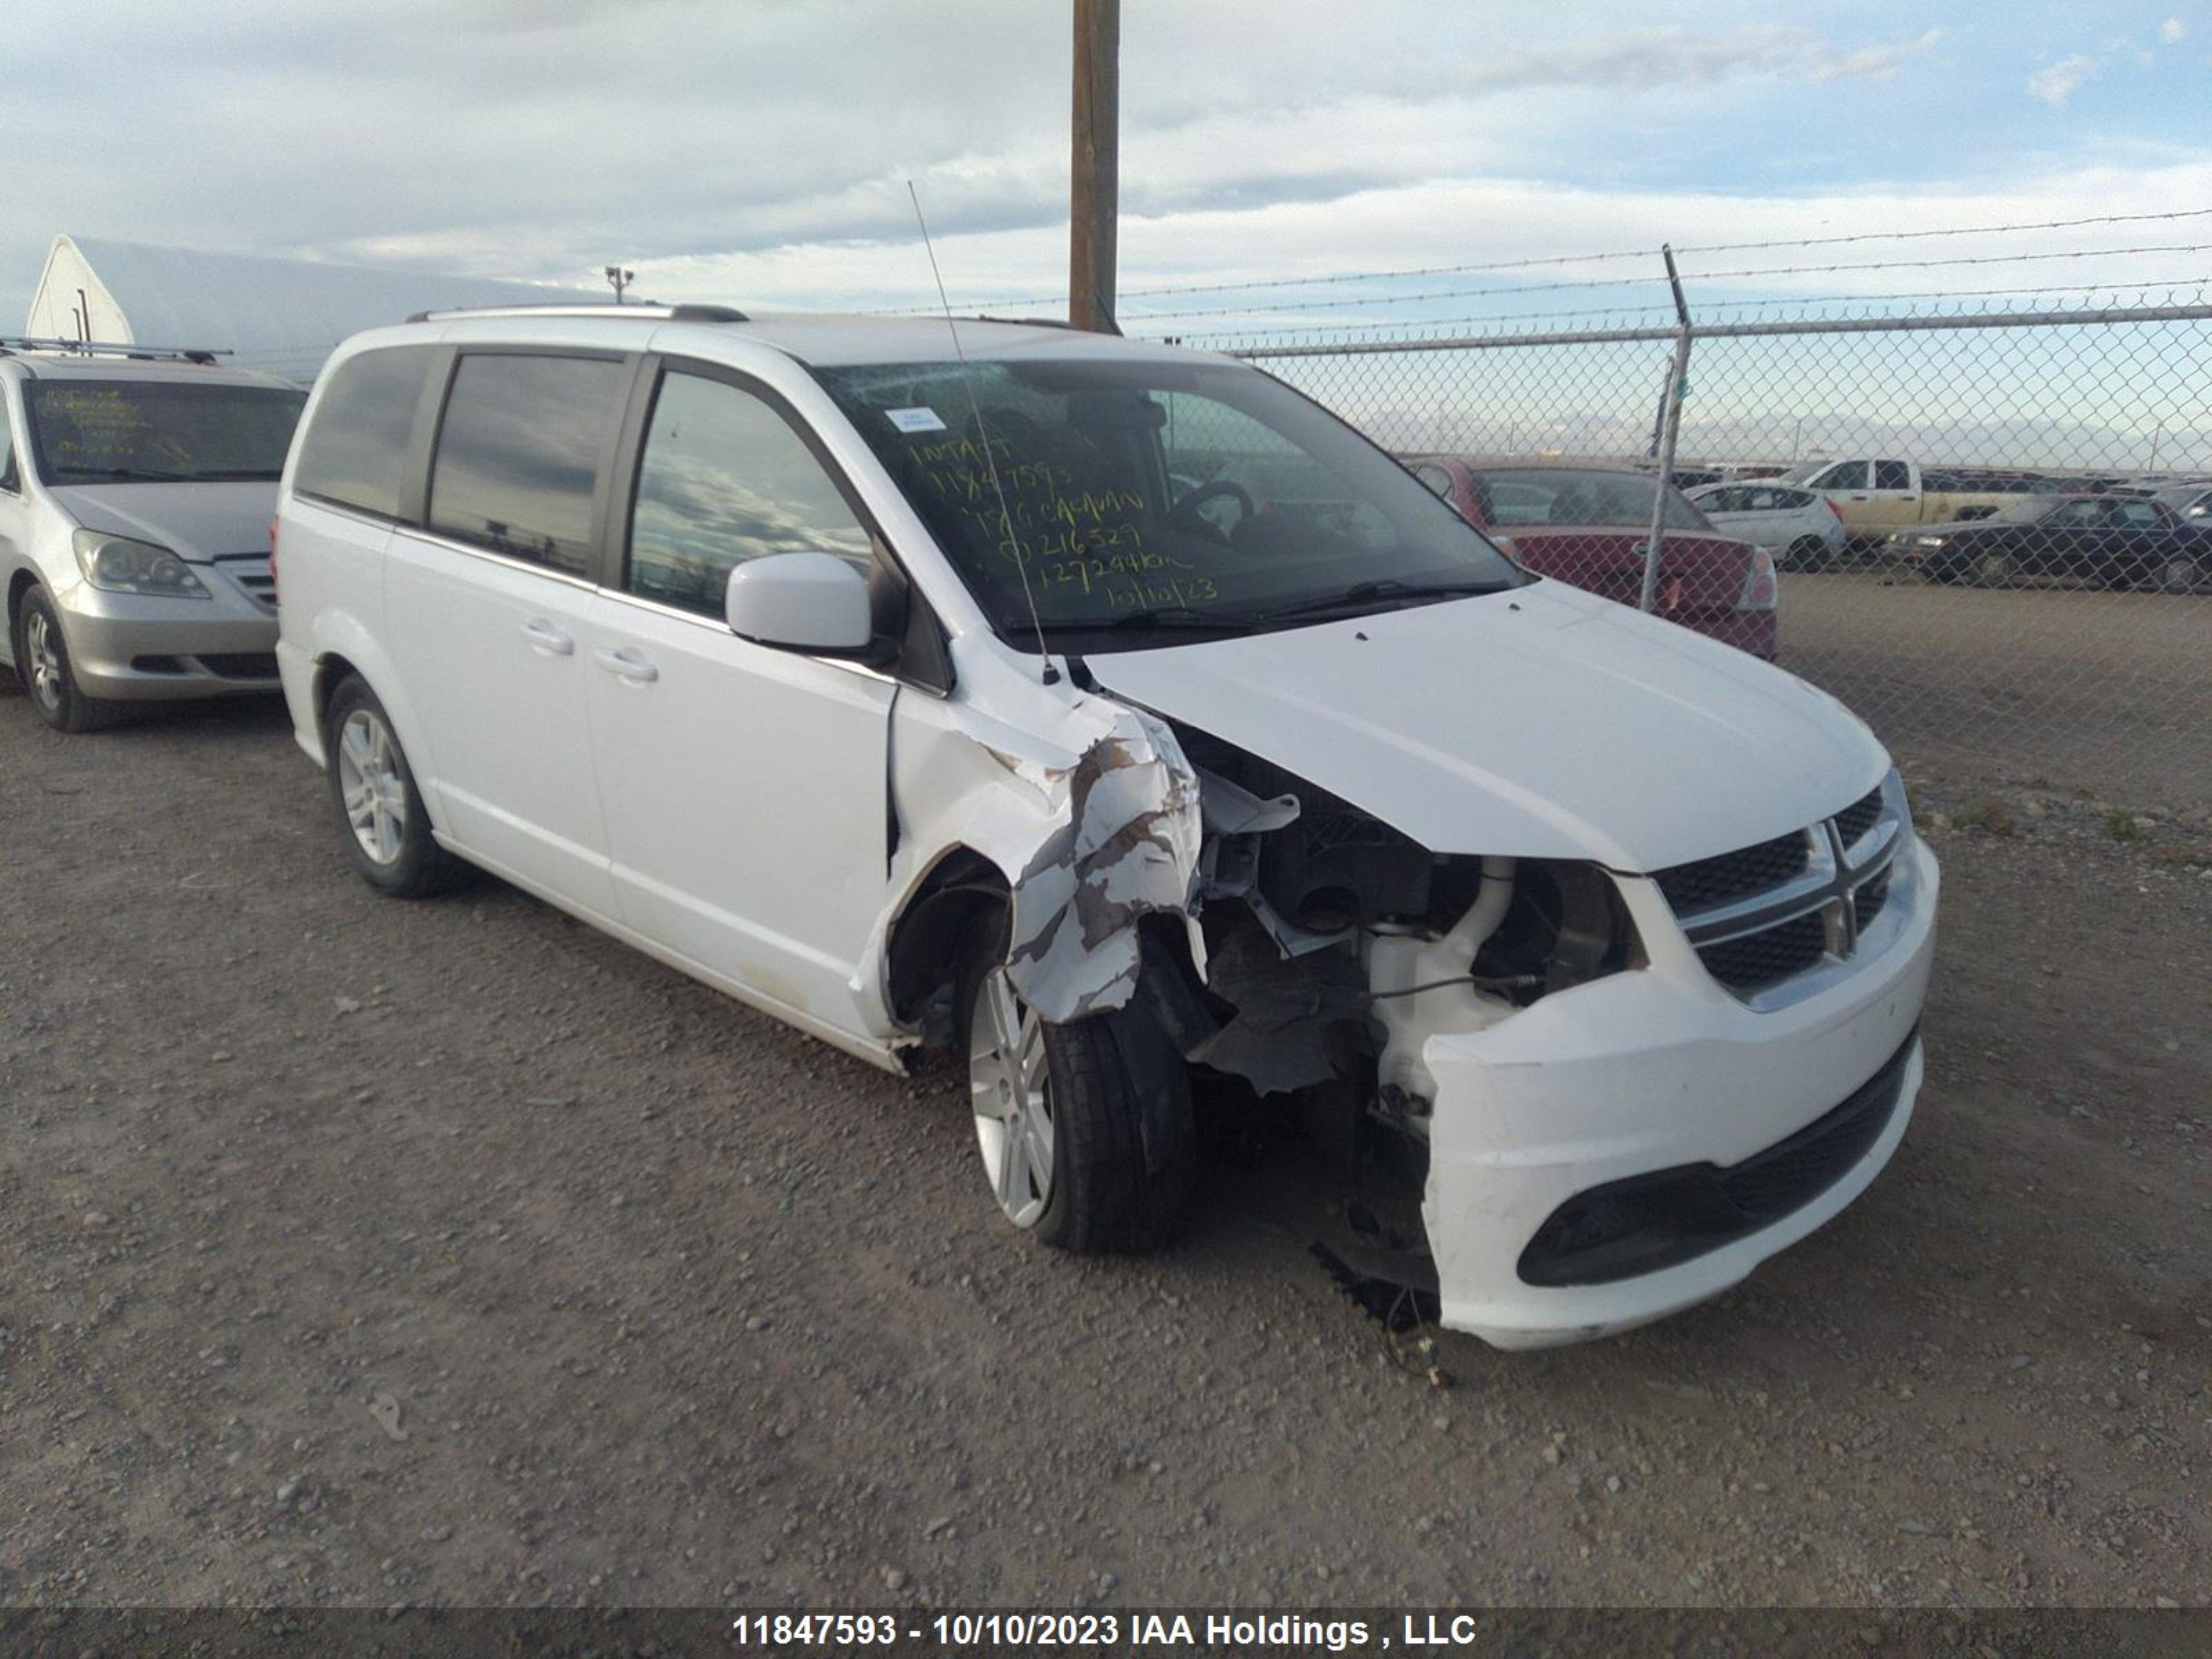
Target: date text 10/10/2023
pixel 1086 1630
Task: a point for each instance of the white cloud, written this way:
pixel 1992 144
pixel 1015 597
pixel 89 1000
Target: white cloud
pixel 2057 83
pixel 1676 56
pixel 1423 224
pixel 2173 31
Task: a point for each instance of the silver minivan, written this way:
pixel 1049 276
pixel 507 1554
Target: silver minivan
pixel 136 491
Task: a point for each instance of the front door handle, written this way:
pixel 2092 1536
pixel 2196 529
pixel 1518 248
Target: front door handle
pixel 627 665
pixel 544 636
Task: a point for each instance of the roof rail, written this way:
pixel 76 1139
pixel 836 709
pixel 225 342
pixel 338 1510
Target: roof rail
pixel 1024 322
pixel 684 313
pixel 11 344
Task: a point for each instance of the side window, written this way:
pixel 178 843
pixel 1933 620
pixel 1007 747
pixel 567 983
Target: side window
pixel 1892 474
pixel 1722 500
pixel 2136 515
pixel 724 479
pixel 2076 513
pixel 1843 475
pixel 520 452
pixel 9 480
pixel 356 449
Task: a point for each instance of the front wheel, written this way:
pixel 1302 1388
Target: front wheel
pixel 1086 1129
pixel 380 809
pixel 42 662
pixel 2178 574
pixel 1806 553
pixel 1993 569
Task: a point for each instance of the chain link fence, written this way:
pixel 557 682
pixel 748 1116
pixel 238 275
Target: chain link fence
pixel 1992 528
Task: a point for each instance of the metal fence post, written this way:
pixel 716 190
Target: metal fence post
pixel 1670 427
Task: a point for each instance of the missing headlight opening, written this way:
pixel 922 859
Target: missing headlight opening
pixel 1334 947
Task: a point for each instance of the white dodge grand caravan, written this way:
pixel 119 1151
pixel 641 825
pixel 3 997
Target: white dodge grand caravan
pixel 1116 718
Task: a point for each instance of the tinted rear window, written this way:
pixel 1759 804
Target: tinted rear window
pixel 521 453
pixel 356 450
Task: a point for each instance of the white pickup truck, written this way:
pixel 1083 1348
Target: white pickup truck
pixel 1875 497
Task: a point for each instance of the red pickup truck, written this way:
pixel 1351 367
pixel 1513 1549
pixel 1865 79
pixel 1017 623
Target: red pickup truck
pixel 1587 525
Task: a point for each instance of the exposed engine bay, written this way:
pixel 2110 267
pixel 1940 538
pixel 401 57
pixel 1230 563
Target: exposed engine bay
pixel 1334 946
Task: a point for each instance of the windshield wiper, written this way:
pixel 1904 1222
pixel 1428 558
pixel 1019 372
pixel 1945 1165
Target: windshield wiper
pixel 1382 587
pixel 234 472
pixel 122 474
pixel 1154 616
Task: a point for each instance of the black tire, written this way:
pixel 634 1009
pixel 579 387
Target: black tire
pixel 416 865
pixel 1993 569
pixel 1806 553
pixel 2178 574
pixel 61 701
pixel 1124 1143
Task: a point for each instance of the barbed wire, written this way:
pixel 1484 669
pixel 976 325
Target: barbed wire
pixel 1255 284
pixel 2142 289
pixel 1687 276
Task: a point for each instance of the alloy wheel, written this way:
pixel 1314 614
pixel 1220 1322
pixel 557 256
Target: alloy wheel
pixel 1011 1089
pixel 40 646
pixel 374 789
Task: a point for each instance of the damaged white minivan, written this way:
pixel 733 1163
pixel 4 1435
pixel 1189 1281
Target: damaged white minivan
pixel 1117 718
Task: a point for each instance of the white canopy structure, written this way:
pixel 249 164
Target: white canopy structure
pixel 282 316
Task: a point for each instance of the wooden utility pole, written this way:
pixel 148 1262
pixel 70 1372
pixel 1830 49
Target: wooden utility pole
pixel 1093 202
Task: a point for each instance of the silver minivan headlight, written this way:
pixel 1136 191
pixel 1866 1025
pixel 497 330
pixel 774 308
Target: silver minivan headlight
pixel 117 564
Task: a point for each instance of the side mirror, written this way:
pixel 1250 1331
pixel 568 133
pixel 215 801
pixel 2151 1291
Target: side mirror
pixel 812 601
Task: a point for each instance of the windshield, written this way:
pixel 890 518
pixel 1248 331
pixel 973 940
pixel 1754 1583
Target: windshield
pixel 157 431
pixel 1144 495
pixel 1514 496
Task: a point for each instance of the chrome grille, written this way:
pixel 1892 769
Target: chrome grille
pixel 254 574
pixel 1763 914
pixel 1854 820
pixel 1754 961
pixel 1707 882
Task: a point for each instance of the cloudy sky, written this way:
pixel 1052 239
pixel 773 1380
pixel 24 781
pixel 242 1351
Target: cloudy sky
pixel 758 150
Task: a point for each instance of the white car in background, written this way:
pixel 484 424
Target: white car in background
pixel 1799 527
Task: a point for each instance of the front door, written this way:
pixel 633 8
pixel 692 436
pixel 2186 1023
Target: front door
pixel 15 535
pixel 1892 500
pixel 746 787
pixel 2069 541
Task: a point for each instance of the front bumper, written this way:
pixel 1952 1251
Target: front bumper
pixel 134 647
pixel 1648 1071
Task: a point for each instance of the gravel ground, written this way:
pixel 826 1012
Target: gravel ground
pixel 355 1252
pixel 2112 691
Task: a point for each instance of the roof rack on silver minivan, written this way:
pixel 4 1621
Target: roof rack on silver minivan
pixel 683 314
pixel 11 344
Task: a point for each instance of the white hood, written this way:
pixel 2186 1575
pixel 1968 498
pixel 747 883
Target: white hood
pixel 1539 723
pixel 195 521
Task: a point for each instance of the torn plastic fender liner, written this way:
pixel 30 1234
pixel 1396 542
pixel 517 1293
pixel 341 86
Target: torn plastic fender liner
pixel 1129 848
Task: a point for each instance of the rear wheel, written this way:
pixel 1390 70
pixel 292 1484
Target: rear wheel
pixel 380 809
pixel 1806 553
pixel 42 662
pixel 1084 1129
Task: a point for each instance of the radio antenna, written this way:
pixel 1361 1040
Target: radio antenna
pixel 1051 675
